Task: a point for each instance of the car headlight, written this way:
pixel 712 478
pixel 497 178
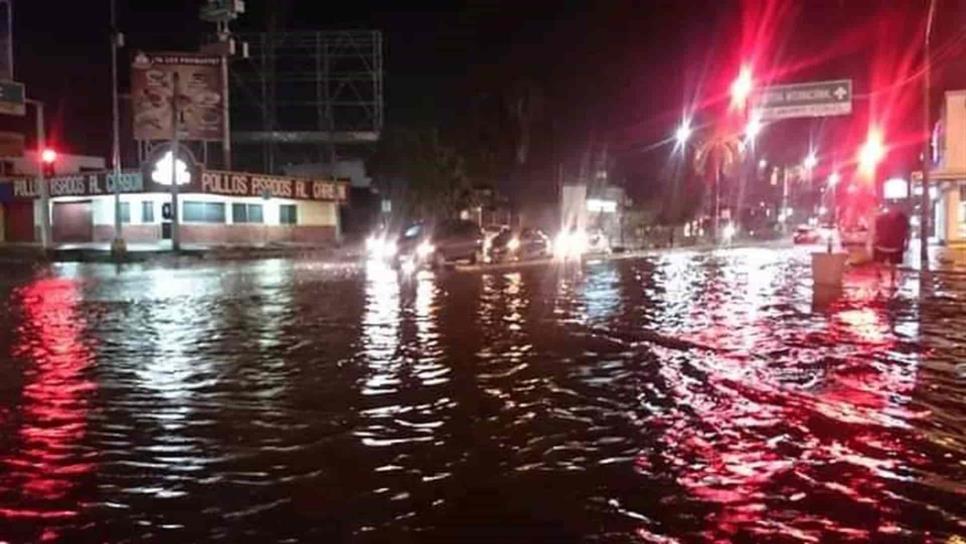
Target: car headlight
pixel 513 244
pixel 425 249
pixel 380 247
pixel 570 243
pixel 389 249
pixel 372 244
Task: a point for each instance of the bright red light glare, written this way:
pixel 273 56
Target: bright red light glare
pixel 48 156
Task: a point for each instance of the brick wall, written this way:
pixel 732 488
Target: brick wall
pixel 193 233
pixel 132 233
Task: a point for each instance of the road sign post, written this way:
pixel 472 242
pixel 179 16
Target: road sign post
pixel 811 99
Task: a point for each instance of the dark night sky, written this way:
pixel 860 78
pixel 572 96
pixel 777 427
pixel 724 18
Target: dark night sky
pixel 621 66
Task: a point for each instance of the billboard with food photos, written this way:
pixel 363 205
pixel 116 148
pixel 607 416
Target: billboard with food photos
pixel 198 96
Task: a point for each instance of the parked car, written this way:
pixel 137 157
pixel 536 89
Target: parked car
pixel 806 234
pixel 523 244
pixel 423 244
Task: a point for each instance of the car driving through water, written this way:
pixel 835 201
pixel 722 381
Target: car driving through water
pixel 436 244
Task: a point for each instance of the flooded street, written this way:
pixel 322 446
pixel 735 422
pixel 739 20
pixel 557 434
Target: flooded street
pixel 680 397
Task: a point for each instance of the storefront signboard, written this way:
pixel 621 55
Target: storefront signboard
pixel 238 184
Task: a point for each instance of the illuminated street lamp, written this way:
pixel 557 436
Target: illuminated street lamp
pixel 871 153
pixel 833 179
pixel 683 132
pixel 741 87
pixel 811 161
pixel 762 164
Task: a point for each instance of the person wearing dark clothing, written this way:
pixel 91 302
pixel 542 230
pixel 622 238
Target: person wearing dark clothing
pixel 891 239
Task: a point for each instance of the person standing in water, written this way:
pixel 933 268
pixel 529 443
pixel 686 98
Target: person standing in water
pixel 891 239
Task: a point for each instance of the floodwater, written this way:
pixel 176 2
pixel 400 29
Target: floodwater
pixel 683 397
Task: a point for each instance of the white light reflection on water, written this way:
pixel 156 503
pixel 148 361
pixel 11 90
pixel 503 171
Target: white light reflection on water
pixel 275 301
pixel 173 333
pixel 600 293
pixel 380 329
pixel 427 365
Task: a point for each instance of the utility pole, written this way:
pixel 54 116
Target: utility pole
pixel 41 179
pixel 224 34
pixel 175 235
pixel 118 246
pixel 925 204
pixel 783 213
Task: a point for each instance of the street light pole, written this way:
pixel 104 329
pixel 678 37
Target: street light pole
pixel 175 235
pixel 41 181
pixel 925 204
pixel 224 34
pixel 118 245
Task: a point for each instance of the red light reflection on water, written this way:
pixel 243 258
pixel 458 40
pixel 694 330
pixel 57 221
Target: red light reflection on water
pixel 757 426
pixel 45 465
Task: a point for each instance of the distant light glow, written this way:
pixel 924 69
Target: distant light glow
pixel 601 205
pixel 871 153
pixel 741 87
pixel 380 248
pixel 48 156
pixel 728 232
pixel 811 161
pixel 754 127
pixel 513 244
pixel 570 244
pixel 683 132
pixel 762 164
pixel 833 179
pixel 895 189
pixel 933 192
pixel 425 249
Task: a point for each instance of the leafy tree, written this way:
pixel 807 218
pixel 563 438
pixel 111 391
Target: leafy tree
pixel 428 175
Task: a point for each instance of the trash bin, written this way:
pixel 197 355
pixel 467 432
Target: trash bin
pixel 828 268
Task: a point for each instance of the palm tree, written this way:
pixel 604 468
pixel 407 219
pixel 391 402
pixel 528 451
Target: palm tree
pixel 722 153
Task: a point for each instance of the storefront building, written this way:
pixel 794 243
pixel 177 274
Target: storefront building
pixel 214 207
pixel 949 174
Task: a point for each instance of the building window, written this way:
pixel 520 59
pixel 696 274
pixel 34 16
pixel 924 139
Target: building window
pixel 203 212
pixel 287 214
pixel 125 212
pixel 147 211
pixel 246 213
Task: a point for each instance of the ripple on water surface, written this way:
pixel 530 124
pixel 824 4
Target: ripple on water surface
pixel 686 396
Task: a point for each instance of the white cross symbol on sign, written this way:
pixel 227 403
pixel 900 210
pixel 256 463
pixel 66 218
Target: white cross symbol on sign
pixel 840 93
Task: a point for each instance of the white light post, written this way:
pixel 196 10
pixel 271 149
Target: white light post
pixel 41 181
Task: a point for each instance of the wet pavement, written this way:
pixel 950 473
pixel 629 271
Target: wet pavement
pixel 689 396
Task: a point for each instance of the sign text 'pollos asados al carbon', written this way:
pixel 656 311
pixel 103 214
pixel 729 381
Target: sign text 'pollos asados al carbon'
pixel 80 185
pixel 212 182
pixel 242 184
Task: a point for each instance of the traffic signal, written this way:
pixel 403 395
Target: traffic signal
pixel 48 162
